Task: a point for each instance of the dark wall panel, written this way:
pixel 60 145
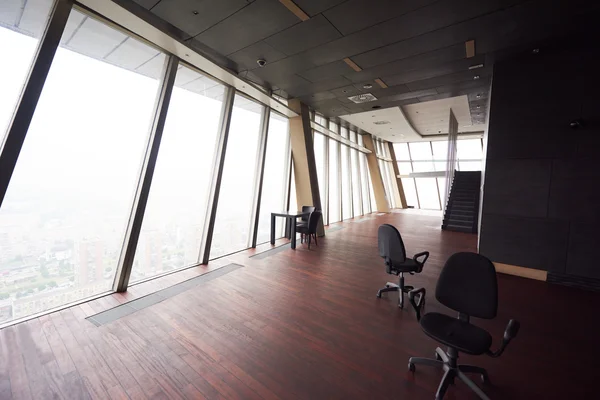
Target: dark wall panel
pixel 541 198
pixel 525 242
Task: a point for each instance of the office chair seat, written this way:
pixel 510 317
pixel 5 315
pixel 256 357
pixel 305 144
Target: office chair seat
pixel 408 265
pixel 452 332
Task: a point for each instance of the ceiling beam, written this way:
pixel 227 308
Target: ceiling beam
pixel 297 11
pixel 352 64
pixel 381 83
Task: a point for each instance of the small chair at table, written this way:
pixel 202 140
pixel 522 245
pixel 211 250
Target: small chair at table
pixel 304 219
pixel 391 249
pixel 310 230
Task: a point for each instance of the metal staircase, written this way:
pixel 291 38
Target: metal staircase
pixel 462 208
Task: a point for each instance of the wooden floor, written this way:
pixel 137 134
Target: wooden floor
pixel 302 325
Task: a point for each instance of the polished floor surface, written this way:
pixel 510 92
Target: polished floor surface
pixel 301 324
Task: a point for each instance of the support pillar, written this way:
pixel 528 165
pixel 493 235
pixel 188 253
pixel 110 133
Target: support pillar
pixel 376 178
pixel 396 173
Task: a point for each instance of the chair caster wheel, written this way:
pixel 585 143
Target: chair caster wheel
pixel 378 295
pixel 437 357
pixel 387 285
pixel 411 367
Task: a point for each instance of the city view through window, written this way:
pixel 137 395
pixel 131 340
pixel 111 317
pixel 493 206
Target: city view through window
pixel 64 216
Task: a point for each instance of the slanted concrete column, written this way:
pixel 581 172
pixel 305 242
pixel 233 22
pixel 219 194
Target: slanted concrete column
pixel 376 178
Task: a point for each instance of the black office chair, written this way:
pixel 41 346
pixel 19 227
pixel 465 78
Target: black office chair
pixel 391 248
pixel 311 228
pixel 304 219
pixel 468 285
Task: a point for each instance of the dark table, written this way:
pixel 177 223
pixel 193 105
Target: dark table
pixel 290 217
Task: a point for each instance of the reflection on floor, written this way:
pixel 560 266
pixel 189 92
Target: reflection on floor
pixel 299 324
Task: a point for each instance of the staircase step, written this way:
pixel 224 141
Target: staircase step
pixel 453 217
pixel 458 228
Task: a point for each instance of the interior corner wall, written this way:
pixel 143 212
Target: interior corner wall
pixel 541 198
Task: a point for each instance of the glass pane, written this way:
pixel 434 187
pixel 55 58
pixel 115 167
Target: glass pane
pixel 386 182
pixel 21 26
pixel 356 201
pixel 232 224
pixel 440 150
pixel 422 166
pixel 66 210
pixel 353 136
pixel 372 193
pixel 440 166
pixel 428 194
pixel 346 189
pixel 401 150
pixel 274 179
pixel 344 131
pixel 393 185
pixel 420 151
pixel 469 165
pixel 293 200
pixel 442 187
pixel 334 191
pixel 404 167
pixel 469 149
pixel 364 174
pixel 361 141
pixel 333 126
pixel 410 192
pixel 321 120
pixel 173 224
pixel 319 143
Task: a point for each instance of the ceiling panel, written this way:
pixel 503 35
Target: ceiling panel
pixel 181 14
pixel 314 7
pixel 421 61
pixel 355 15
pixel 318 86
pixel 153 67
pixel 304 35
pixel 246 58
pixel 327 71
pixel 252 23
pixel 95 39
pixel 462 76
pixel 147 3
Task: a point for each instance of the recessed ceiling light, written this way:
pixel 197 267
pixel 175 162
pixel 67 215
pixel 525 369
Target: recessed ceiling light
pixel 367 86
pixel 478 107
pixel 344 91
pixel 187 55
pixel 478 96
pixel 476 77
pixel 476 66
pixel 195 12
pixel 535 51
pixel 381 123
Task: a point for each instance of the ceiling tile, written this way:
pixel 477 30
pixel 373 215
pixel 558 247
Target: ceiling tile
pixel 252 23
pixel 131 54
pixel 463 76
pixel 425 60
pixel 148 4
pixel 247 57
pixel 355 15
pixel 326 71
pixel 180 13
pixel 426 73
pixel 291 81
pixel 314 7
pixel 318 86
pixel 304 35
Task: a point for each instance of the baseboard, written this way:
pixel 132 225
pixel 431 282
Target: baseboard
pixel 523 272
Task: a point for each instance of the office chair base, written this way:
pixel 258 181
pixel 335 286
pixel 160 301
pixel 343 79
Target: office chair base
pixel 448 362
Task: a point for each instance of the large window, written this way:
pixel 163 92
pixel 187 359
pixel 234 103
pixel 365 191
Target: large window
pixel 366 182
pixel 334 182
pixel 21 26
pixel 356 183
pixel 427 191
pixel 65 213
pixel 275 177
pixel 346 188
pixel 320 142
pixel 234 211
pixel 173 224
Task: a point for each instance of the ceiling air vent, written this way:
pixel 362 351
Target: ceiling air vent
pixel 381 122
pixel 362 98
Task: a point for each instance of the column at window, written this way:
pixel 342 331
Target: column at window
pixel 320 142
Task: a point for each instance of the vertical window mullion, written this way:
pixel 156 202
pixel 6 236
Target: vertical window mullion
pixel 259 175
pixel 141 197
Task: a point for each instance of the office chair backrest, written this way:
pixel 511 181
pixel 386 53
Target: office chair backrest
pixel 390 244
pixel 313 221
pixel 468 285
pixel 305 209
